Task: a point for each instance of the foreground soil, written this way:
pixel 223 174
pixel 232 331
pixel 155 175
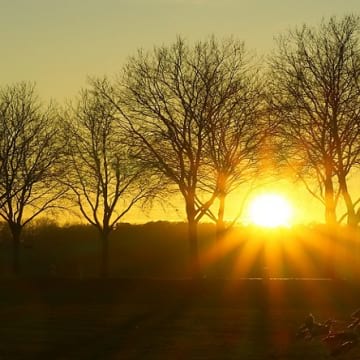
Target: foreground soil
pixel 172 319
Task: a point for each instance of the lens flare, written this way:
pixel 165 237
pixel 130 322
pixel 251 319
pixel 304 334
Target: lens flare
pixel 270 210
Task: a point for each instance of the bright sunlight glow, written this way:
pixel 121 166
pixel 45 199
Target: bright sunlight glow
pixel 270 210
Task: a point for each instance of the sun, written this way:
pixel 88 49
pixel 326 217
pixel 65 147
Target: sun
pixel 270 210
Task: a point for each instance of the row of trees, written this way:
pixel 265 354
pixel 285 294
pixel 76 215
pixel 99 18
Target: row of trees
pixel 200 120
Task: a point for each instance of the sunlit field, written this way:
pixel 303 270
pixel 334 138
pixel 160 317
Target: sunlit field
pixel 258 286
pixel 160 250
pixel 154 319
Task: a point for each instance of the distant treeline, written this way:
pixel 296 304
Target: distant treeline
pixel 160 250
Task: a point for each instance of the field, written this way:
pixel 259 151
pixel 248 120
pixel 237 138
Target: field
pixel 58 309
pixel 168 319
pixel 161 250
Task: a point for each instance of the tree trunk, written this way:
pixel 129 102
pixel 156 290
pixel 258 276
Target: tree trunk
pixel 330 217
pixel 330 207
pixel 220 224
pixel 351 215
pixel 341 173
pixel 16 234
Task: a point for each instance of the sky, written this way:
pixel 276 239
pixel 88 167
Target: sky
pixel 58 44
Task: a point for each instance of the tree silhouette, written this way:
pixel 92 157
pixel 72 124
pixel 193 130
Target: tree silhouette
pixel 314 86
pixel 103 175
pixel 30 159
pixel 172 96
pixel 237 131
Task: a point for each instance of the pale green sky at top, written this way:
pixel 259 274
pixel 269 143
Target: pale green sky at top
pixel 58 43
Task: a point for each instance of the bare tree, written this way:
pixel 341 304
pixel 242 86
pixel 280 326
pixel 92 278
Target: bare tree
pixel 171 97
pixel 30 159
pixel 104 176
pixel 316 94
pixel 237 132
